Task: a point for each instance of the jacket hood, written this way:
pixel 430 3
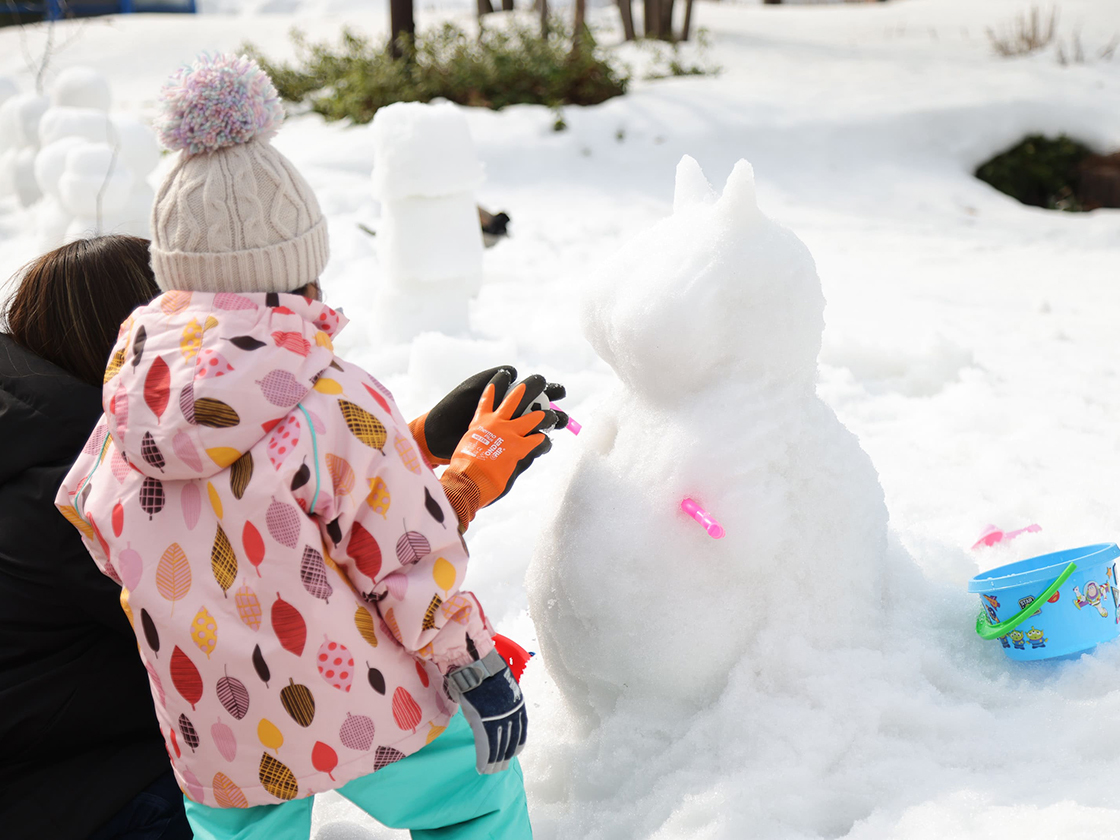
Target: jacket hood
pixel 197 378
pixel 46 414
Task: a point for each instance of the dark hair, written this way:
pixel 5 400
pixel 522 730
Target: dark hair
pixel 305 290
pixel 71 301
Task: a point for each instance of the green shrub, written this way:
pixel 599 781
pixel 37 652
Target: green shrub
pixel 1038 171
pixel 501 67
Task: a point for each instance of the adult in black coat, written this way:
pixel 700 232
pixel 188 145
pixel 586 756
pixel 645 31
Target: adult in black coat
pixel 81 753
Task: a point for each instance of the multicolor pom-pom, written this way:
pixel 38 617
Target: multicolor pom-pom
pixel 217 102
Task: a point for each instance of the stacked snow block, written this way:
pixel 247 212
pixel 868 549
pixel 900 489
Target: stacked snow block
pixel 82 170
pixel 430 246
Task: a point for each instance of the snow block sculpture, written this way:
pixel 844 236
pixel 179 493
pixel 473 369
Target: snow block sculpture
pixel 81 87
pixel 712 320
pixel 82 170
pixel 19 141
pixel 429 243
pixel 8 88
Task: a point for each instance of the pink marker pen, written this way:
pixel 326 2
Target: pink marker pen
pixel 572 426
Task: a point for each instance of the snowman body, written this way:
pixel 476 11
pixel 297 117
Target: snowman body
pixel 712 320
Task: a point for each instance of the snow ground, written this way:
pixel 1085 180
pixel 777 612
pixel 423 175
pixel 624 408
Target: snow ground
pixel 969 344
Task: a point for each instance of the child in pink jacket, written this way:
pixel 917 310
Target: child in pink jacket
pixel 290 563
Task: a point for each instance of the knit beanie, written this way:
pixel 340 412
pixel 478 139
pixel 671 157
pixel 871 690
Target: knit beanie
pixel 233 214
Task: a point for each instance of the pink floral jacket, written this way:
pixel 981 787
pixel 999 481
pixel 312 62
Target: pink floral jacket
pixel 289 563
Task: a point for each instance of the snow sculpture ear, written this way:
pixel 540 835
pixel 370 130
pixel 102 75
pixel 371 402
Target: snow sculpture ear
pixel 691 187
pixel 739 197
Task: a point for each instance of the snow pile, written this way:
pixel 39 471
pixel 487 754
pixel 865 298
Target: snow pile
pixel 82 169
pixel 798 678
pixel 429 243
pixel 916 371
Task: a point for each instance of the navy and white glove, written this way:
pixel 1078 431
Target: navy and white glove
pixel 493 705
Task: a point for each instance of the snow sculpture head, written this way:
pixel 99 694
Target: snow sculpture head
pixel 717 285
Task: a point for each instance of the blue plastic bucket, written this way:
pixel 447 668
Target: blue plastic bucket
pixel 1041 620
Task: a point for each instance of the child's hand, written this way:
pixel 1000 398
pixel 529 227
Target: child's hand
pixel 501 442
pixel 494 707
pixel 439 431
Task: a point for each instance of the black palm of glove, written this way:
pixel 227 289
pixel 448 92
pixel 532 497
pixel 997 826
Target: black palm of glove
pixel 493 705
pixel 440 430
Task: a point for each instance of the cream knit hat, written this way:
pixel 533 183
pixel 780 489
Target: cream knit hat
pixel 233 214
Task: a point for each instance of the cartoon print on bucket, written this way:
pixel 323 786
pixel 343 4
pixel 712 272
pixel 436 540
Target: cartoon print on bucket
pixel 1022 603
pixel 1094 594
pixel 990 607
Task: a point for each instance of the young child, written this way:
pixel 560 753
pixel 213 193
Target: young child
pixel 289 561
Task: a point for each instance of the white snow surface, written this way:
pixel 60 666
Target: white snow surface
pixel 969 345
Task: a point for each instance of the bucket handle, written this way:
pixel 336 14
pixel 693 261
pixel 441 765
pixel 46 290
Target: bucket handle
pixel 989 631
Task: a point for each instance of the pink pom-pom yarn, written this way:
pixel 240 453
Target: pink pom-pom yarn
pixel 217 102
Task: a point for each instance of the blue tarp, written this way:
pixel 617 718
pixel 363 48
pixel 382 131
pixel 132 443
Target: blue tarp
pixel 58 9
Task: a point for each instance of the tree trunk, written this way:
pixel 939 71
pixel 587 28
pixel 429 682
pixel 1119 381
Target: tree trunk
pixel 544 17
pixel 665 30
pixel 578 24
pixel 507 5
pixel 484 8
pixel 687 20
pixel 651 19
pixel 627 13
pixel 401 22
pixel 772 2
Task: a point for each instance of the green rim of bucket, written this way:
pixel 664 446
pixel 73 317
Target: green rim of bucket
pixel 987 630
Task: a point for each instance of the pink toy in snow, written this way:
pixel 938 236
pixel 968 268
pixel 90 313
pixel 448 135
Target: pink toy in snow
pixel 714 529
pixel 992 535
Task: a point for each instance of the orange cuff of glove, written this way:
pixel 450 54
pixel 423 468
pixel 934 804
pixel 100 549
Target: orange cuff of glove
pixel 417 428
pixel 463 495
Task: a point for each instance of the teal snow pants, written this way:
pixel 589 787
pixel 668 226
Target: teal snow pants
pixel 436 792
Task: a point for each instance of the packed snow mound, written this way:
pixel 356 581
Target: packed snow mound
pixel 712 320
pixel 918 368
pixel 799 678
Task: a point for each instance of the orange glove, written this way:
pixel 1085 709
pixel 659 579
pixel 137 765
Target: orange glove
pixel 499 445
pixel 439 431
